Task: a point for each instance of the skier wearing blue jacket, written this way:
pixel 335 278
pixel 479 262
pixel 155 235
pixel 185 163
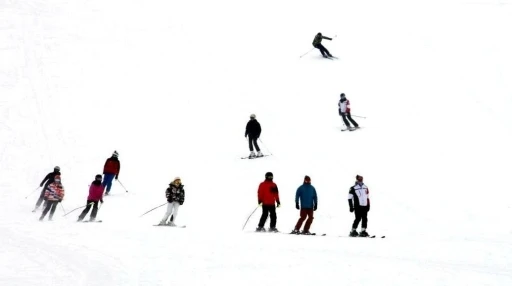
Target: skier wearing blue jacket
pixel 306 196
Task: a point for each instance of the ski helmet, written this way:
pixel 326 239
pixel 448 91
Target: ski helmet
pixel 269 175
pixel 253 116
pixel 56 168
pixel 98 177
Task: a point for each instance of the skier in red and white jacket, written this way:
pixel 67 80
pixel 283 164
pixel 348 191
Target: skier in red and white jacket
pixel 344 111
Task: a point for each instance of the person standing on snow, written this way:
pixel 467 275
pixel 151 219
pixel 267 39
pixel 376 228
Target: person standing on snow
pixel 306 195
pixel 175 195
pixel 253 130
pixel 48 179
pixel 95 196
pixel 111 171
pixel 344 111
pixel 359 203
pixel 317 43
pixel 268 196
pixel 54 195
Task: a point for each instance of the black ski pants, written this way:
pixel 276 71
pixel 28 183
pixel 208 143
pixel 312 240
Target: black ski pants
pixel 41 196
pixel 266 210
pixel 253 140
pixel 50 206
pixel 94 205
pixel 323 50
pixel 346 116
pixel 361 213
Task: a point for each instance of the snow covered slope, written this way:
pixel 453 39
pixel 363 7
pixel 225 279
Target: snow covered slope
pixel 170 85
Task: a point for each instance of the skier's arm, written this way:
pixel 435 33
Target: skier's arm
pixel 350 197
pixel 260 191
pixel 118 169
pixel 247 129
pixel 45 179
pixel 182 195
pixel 326 38
pixel 276 194
pixel 315 199
pixel 298 194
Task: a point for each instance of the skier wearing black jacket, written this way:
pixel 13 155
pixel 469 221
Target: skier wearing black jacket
pixel 253 130
pixel 48 179
pixel 317 43
pixel 359 194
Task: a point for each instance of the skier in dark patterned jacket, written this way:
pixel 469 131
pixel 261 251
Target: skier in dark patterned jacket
pixel 48 179
pixel 359 203
pixel 253 130
pixel 317 43
pixel 175 195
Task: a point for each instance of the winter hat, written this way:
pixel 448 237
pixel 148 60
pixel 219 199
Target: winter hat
pixel 269 175
pixel 359 178
pixel 115 154
pixel 342 95
pixel 56 168
pixel 98 177
pixel 253 116
pixel 307 179
pixel 177 179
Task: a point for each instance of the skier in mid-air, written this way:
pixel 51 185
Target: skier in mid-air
pixel 317 43
pixel 359 203
pixel 253 131
pixel 48 179
pixel 344 111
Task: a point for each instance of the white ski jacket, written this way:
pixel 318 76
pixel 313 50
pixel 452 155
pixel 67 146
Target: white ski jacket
pixel 360 195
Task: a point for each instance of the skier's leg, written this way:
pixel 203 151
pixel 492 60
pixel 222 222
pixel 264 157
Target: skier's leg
pixel 175 208
pixel 251 148
pixel 357 212
pixel 53 205
pixel 85 211
pixel 45 211
pixel 41 198
pixel 321 48
pixel 94 211
pixel 107 181
pixel 364 217
pixel 273 216
pixel 309 212
pixel 255 142
pixel 264 215
pixel 344 118
pixel 301 220
pixel 167 213
pixel 352 120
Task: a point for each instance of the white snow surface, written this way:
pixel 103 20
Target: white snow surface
pixel 170 86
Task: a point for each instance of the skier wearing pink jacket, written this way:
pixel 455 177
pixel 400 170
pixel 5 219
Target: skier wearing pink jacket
pixel 95 196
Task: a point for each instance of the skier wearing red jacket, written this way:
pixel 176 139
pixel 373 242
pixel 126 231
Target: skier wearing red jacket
pixel 268 196
pixel 95 197
pixel 111 170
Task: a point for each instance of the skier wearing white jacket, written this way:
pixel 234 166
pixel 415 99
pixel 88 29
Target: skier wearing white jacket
pixel 175 195
pixel 359 202
pixel 344 111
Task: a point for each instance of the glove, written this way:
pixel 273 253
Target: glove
pixel 41 185
pixel 117 177
pixel 60 200
pixel 315 207
pixel 368 207
pixel 260 203
pixel 101 201
pixel 297 206
pixel 351 210
pixel 278 204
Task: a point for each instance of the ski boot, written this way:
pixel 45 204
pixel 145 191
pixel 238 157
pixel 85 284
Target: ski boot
pixel 295 231
pixel 273 229
pixel 252 155
pixel 363 233
pixel 353 233
pixel 306 232
pixel 260 229
pixel 259 154
pixel 171 223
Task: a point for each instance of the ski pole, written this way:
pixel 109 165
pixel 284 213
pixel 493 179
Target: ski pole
pixel 122 185
pixel 153 209
pixel 250 216
pixel 78 208
pixel 265 146
pixel 306 53
pixel 62 206
pixel 359 116
pixel 32 192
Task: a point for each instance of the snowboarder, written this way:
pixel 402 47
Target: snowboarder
pixel 253 130
pixel 175 195
pixel 317 43
pixel 359 203
pixel 268 196
pixel 344 111
pixel 111 171
pixel 54 194
pixel 95 196
pixel 306 195
pixel 48 179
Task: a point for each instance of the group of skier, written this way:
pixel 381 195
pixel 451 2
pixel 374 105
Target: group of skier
pixel 52 192
pixel 306 200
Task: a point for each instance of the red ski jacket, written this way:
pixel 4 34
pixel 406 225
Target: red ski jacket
pixel 112 166
pixel 268 193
